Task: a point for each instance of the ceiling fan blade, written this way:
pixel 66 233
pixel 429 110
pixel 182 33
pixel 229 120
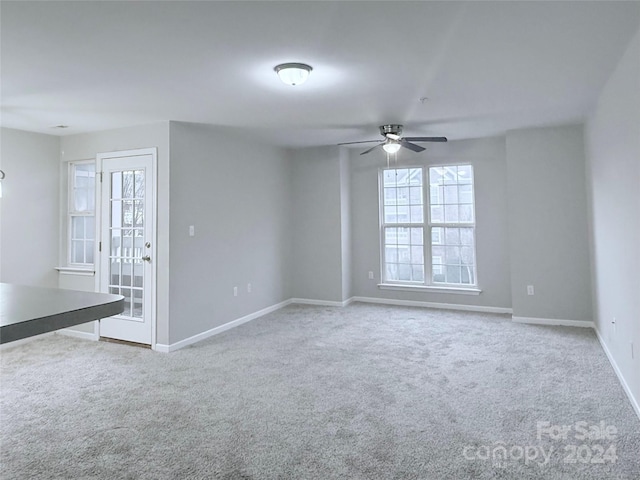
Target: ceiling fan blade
pixel 367 151
pixel 425 139
pixel 411 146
pixel 352 143
pixel 393 136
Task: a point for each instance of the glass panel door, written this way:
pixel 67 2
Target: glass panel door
pixel 127 245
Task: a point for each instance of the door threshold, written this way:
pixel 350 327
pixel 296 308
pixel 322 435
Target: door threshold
pixel 125 342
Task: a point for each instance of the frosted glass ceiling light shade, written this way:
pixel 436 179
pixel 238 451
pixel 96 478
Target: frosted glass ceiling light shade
pixel 293 73
pixel 391 147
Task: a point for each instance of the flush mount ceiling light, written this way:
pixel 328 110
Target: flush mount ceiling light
pixel 293 73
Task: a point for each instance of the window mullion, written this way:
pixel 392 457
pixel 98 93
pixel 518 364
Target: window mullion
pixel 402 225
pixel 426 241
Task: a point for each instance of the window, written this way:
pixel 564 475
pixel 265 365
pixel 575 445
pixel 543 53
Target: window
pixel 428 242
pixel 82 188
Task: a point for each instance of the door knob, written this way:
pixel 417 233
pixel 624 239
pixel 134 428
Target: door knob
pixel 146 258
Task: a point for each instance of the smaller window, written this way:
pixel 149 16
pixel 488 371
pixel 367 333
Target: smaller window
pixel 81 217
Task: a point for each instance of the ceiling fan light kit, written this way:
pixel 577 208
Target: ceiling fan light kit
pixel 391 147
pixel 293 73
pixel 393 141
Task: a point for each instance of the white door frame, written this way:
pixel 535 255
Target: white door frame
pixel 154 205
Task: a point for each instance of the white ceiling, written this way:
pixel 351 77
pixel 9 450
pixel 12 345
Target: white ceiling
pixel 485 67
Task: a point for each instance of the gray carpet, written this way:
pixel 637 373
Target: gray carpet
pixel 363 392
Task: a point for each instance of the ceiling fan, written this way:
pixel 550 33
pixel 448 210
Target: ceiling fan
pixel 393 141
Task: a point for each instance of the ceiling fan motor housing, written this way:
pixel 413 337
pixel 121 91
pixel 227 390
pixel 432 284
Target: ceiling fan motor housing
pixel 393 129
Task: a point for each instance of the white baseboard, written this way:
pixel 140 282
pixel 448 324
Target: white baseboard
pixel 634 402
pixel 322 303
pixel 222 328
pixel 554 321
pixel 77 334
pixel 446 306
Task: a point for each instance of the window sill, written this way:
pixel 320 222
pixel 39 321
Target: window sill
pixel 430 289
pixel 84 272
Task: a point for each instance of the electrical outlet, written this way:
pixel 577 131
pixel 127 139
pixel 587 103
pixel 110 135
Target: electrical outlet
pixel 248 288
pixel 192 230
pixel 370 275
pixel 632 352
pixel 235 291
pixel 530 290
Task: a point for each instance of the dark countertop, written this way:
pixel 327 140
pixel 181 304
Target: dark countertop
pixel 27 311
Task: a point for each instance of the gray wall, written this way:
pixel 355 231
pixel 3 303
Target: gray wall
pixel 85 147
pixel 549 246
pixel 237 195
pixel 613 152
pixel 29 208
pixel 488 159
pixel 316 268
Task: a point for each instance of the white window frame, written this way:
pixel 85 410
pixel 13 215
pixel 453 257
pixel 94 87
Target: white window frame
pixel 71 213
pixel 427 225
